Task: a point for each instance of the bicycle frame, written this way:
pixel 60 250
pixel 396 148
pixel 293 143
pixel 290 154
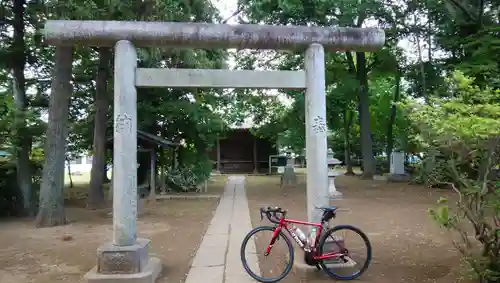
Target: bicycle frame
pixel 284 223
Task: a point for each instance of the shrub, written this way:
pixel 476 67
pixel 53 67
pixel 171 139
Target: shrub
pixel 381 165
pixel 186 178
pixel 462 137
pixel 9 193
pixel 10 196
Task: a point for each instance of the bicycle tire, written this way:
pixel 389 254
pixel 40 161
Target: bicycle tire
pixel 368 248
pixel 244 261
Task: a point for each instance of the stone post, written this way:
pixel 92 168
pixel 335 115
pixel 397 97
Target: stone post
pixel 125 145
pixel 316 143
pixel 397 168
pixel 125 258
pixel 397 163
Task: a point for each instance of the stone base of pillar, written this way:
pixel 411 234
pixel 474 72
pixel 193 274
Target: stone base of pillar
pixel 335 195
pixel 332 190
pixel 130 264
pixel 399 178
pixel 299 262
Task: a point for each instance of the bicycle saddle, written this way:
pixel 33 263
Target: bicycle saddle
pixel 331 208
pixel 328 213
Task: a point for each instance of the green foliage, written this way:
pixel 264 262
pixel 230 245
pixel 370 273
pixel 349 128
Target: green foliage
pixel 433 170
pixel 464 130
pixel 175 114
pixel 381 100
pixel 342 74
pixel 10 197
pixel 9 194
pixel 186 178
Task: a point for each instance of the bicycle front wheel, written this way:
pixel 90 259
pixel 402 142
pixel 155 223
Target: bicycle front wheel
pixel 264 267
pixel 352 249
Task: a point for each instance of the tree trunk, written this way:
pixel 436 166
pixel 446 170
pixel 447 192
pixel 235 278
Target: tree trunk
pixel 51 210
pixel 95 198
pixel 347 142
pixel 364 117
pixel 422 66
pixel 392 119
pixel 24 141
pixel 68 163
pixel 105 178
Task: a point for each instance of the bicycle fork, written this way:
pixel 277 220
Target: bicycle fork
pixel 273 240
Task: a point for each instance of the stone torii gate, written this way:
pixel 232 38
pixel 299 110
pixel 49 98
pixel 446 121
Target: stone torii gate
pixel 126 258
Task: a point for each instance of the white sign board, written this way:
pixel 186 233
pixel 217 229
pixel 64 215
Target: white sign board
pixel 398 163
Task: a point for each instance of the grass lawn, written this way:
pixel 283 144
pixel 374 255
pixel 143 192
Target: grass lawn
pixel 80 186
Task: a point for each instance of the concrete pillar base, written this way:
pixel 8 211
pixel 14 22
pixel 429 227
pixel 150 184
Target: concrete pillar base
pixel 335 195
pixel 305 271
pixel 125 264
pixel 332 190
pixel 399 178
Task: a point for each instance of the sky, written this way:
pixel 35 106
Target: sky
pixel 226 8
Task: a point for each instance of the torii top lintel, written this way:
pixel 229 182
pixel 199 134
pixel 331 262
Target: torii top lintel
pixel 208 35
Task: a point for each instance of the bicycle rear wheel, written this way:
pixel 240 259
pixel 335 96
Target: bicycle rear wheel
pixel 253 249
pixel 352 265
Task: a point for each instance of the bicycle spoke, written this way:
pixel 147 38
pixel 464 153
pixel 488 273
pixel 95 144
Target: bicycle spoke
pixel 272 267
pixel 354 252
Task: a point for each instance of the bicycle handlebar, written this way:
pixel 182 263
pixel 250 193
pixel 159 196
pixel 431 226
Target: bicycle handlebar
pixel 272 214
pixel 275 214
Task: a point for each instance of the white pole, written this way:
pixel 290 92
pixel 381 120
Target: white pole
pixel 218 156
pixel 125 145
pixel 316 145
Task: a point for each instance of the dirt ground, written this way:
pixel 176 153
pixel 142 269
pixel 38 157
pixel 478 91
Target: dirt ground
pixel 407 245
pixel 44 255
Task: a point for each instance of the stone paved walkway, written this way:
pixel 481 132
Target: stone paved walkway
pixel 218 257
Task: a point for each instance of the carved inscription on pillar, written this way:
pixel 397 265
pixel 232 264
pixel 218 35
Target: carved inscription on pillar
pixel 123 123
pixel 318 125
